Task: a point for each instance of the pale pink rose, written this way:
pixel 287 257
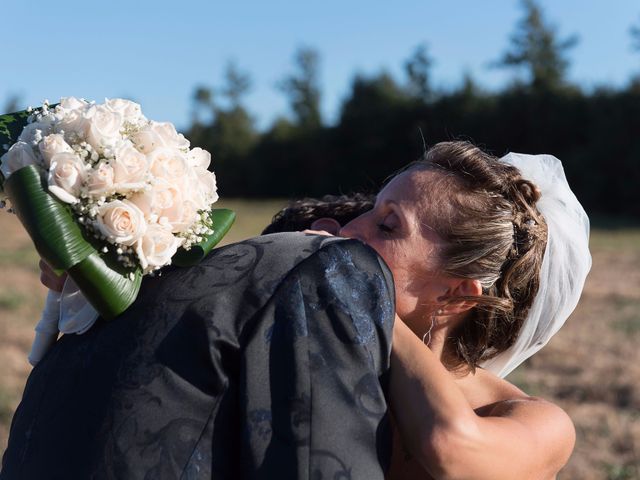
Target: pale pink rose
pixel 130 111
pixel 103 127
pixel 168 204
pixel 169 136
pixel 199 158
pixel 160 196
pixel 130 167
pixel 146 140
pixel 207 186
pixel 72 103
pixel 52 144
pixel 181 218
pixel 67 174
pixel 121 222
pixel 100 181
pixel 19 155
pixel 170 164
pixel 156 247
pixel 71 120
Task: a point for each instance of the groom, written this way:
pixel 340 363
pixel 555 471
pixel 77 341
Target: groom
pixel 262 362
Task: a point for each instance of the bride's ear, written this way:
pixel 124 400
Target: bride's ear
pixel 327 224
pixel 459 297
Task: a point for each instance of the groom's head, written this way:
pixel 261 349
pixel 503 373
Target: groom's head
pixel 325 213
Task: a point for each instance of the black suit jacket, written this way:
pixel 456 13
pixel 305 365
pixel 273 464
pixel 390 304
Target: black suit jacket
pixel 263 362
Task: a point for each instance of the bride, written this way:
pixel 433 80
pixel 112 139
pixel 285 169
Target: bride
pixel 489 258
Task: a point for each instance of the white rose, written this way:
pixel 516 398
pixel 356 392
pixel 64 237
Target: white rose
pixel 146 140
pixel 73 125
pixel 207 186
pixel 170 164
pixel 160 196
pixel 103 127
pixel 167 204
pixel 67 173
pixel 71 120
pixel 169 136
pixel 52 144
pixel 181 218
pixel 130 111
pixel 121 222
pixel 100 181
pixel 199 158
pixel 156 247
pixel 72 103
pixel 34 132
pixel 19 155
pixel 130 168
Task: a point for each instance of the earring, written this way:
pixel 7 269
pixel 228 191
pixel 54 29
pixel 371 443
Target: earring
pixel 433 322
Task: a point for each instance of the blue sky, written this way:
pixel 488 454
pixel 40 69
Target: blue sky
pixel 156 52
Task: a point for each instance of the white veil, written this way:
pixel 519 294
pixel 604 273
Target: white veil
pixel 565 264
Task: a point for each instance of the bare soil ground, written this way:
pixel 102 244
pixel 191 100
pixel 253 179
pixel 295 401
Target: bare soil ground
pixel 591 368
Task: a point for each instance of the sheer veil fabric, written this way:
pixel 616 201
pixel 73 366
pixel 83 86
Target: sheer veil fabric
pixel 565 265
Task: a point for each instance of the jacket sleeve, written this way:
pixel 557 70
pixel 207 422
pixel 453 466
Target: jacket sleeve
pixel 315 359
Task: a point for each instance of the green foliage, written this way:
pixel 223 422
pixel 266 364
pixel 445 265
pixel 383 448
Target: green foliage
pixel 536 48
pixel 418 69
pixel 237 84
pixel 381 121
pixel 303 88
pixel 11 124
pixel 230 133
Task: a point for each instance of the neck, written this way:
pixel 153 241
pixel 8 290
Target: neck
pixel 443 349
pixel 438 342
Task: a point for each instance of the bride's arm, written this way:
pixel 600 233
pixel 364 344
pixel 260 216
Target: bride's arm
pixel 523 439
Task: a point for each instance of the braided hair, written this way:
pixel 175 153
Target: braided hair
pixel 485 214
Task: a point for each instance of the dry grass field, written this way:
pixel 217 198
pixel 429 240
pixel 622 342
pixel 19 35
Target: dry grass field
pixel 591 368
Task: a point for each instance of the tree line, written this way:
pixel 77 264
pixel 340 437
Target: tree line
pixel 383 120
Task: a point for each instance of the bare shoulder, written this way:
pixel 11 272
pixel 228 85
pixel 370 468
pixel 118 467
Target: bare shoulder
pixel 509 400
pixel 547 422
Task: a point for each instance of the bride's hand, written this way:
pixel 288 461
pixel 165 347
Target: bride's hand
pixel 49 278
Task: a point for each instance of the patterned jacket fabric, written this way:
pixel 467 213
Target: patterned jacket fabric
pixel 268 360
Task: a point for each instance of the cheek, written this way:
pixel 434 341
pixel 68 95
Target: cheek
pixel 406 298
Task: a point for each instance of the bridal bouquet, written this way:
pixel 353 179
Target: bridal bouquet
pixel 108 195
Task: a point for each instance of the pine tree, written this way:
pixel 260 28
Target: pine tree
pixel 535 47
pixel 303 88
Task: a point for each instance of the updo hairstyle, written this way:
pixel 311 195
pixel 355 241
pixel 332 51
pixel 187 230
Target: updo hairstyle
pixel 485 215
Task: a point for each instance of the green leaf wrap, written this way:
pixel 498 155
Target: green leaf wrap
pixel 106 284
pixel 54 231
pixel 221 219
pixel 60 242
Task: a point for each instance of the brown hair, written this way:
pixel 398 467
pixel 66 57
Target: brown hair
pixel 485 214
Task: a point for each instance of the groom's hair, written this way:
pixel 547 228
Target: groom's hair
pixel 300 214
